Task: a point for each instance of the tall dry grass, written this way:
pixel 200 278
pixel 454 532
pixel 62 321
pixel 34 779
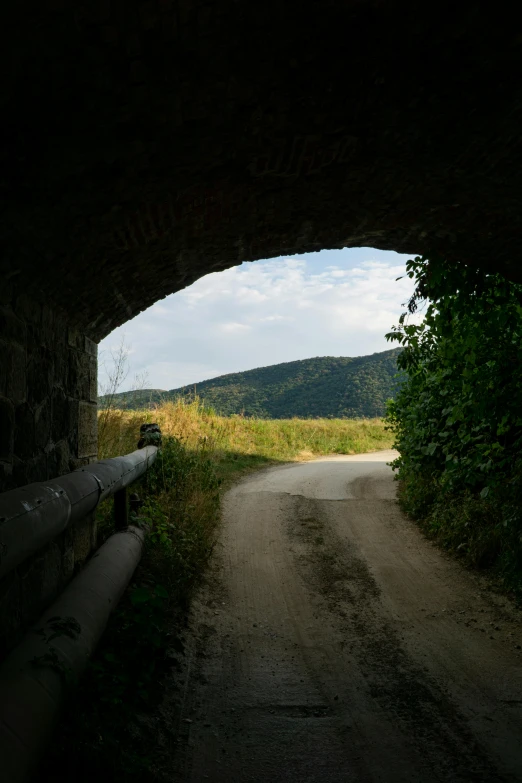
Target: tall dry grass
pixel 238 443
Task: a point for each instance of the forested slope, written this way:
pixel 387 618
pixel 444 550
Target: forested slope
pixel 328 386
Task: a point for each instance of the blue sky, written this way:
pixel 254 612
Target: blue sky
pixel 332 303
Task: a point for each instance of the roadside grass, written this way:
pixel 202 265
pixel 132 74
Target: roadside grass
pixel 476 530
pixel 110 728
pixel 237 444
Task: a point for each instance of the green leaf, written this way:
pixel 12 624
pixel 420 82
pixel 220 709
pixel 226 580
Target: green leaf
pixel 161 591
pixel 140 595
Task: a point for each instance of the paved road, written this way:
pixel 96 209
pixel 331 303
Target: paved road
pixel 333 643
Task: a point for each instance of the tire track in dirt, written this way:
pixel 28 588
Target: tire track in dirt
pixel 331 642
pixel 335 571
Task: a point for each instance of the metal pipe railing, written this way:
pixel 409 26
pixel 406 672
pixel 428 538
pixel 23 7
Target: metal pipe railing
pixel 32 516
pixel 39 672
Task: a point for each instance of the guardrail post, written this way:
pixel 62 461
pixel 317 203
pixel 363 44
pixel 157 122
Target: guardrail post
pixel 121 511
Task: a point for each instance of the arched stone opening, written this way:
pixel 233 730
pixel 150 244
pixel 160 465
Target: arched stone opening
pixel 146 144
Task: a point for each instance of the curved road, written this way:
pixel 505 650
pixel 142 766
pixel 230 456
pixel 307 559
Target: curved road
pixel 333 643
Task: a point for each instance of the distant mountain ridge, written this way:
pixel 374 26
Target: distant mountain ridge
pixel 322 387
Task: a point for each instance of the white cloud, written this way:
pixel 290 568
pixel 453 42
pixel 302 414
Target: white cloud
pixel 276 318
pixel 235 327
pixel 267 312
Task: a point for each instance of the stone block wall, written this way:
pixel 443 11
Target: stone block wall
pixel 48 392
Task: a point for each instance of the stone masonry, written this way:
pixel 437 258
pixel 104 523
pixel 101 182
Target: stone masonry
pixel 47 428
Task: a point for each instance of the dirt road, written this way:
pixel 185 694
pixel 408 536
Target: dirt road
pixel 333 643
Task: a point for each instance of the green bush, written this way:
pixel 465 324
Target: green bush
pixel 458 416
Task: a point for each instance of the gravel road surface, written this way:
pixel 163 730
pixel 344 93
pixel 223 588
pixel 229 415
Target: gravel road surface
pixel 332 643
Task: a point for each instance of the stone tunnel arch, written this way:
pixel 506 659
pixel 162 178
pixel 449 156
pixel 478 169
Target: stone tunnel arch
pixel 148 143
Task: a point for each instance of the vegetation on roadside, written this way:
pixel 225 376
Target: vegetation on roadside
pixel 458 416
pixel 327 387
pixel 238 443
pixel 104 731
pixel 108 730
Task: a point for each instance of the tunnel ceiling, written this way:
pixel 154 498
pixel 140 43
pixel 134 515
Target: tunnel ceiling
pixel 146 144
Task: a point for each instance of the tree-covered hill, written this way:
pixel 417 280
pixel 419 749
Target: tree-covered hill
pixel 327 386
